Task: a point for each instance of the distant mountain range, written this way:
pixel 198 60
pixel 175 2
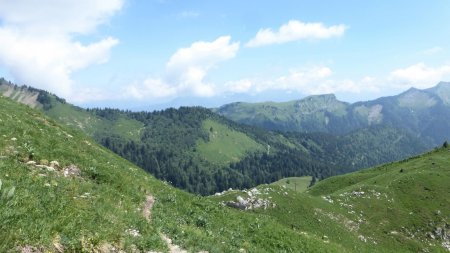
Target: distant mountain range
pixel 422 113
pixel 203 152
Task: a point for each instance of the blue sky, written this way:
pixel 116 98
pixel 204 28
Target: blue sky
pixel 159 53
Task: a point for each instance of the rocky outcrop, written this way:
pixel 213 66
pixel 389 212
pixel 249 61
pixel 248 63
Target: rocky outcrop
pixel 252 201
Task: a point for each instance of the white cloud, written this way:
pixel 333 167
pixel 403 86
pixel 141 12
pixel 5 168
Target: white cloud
pixel 295 30
pixel 38 40
pixel 186 71
pixel 419 75
pixel 57 17
pixel 309 81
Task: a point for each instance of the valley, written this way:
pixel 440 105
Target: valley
pixel 62 192
pixel 200 151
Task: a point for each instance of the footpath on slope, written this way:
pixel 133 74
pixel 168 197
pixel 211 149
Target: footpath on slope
pixel 146 212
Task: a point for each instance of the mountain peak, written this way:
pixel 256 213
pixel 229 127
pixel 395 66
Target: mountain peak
pixel 442 90
pixel 443 84
pixel 329 96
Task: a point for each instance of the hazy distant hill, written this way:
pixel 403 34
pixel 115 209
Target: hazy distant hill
pixel 423 113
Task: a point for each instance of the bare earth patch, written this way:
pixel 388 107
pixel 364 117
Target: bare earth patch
pixel 147 213
pixel 172 247
pixel 147 210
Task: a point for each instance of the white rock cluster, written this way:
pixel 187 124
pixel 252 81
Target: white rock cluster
pixel 252 201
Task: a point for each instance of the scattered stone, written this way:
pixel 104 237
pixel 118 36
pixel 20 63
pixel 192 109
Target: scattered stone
pixel 30 249
pixel 54 164
pixel 252 202
pixel 172 247
pixel 71 171
pixel 446 245
pixel 48 168
pixel 31 163
pixel 85 195
pixel 328 199
pixel 133 232
pixel 362 238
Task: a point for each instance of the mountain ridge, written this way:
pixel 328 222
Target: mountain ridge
pixel 414 110
pixel 200 151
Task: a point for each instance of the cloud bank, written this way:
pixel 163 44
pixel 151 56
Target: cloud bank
pixel 309 81
pixel 419 75
pixel 39 45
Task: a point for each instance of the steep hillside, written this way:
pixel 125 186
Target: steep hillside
pixel 398 207
pixel 202 152
pixel 422 113
pixel 192 148
pixel 197 150
pixel 361 148
pixel 60 192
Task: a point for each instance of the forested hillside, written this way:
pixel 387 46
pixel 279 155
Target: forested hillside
pixel 172 147
pixel 203 152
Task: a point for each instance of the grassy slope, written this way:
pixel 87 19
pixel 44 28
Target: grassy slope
pixel 413 201
pixel 225 145
pixel 93 125
pixel 375 210
pixel 95 210
pixel 299 184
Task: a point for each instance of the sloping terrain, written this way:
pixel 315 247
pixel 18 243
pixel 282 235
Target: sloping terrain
pixel 202 152
pixel 398 207
pixel 197 150
pixel 192 148
pixel 421 113
pixel 61 192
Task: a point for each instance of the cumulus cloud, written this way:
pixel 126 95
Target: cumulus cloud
pixel 39 45
pixel 295 30
pixel 186 71
pixel 309 81
pixel 419 75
